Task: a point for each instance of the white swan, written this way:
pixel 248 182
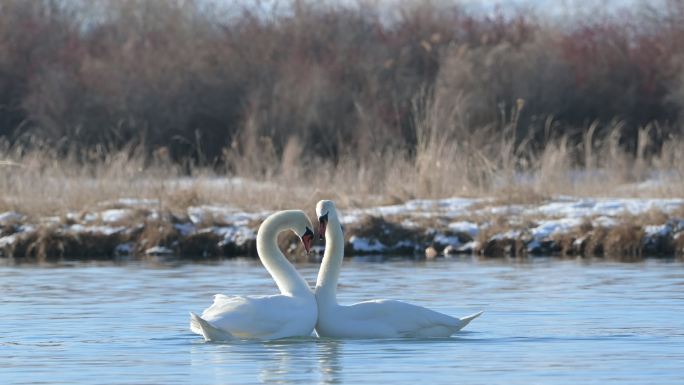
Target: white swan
pixel 370 319
pixel 289 314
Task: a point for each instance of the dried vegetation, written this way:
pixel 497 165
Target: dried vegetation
pixel 185 104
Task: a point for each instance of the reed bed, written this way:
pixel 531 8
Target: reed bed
pixel 41 182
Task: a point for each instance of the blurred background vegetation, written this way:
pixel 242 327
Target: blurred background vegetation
pixel 263 88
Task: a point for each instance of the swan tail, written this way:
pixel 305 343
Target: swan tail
pixel 209 332
pixel 466 320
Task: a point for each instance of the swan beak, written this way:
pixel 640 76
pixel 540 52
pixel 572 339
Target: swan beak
pixel 322 223
pixel 307 240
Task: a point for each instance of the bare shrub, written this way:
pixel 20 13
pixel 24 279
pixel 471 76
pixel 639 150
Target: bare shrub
pixel 624 240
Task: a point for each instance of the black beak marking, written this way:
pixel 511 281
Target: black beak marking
pixel 322 222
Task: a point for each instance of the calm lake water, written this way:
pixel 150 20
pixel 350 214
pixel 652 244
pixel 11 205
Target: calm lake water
pixel 546 322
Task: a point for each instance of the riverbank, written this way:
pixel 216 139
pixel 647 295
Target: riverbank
pixel 564 226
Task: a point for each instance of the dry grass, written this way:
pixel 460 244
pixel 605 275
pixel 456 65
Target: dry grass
pixel 678 244
pixel 575 242
pixel 624 240
pixel 50 242
pixel 203 244
pixel 158 233
pixel 44 184
pixel 493 244
pixel 165 101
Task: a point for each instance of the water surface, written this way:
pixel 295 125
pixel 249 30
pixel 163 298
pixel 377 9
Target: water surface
pixel 546 322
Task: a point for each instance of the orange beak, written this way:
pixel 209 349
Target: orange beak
pixel 307 239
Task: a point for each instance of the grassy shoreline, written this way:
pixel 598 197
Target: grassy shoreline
pixel 628 228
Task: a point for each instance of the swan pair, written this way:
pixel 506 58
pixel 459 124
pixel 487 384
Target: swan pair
pixel 296 311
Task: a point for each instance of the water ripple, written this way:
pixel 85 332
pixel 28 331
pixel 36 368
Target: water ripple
pixel 550 322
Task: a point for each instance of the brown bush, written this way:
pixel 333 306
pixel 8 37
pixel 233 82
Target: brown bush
pixel 624 241
pixel 50 243
pixel 339 78
pixel 203 244
pixel 594 243
pixel 495 243
pixel 157 233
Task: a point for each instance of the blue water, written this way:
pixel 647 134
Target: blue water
pixel 545 322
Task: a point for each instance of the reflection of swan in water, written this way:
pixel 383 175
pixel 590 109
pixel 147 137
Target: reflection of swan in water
pixel 289 362
pixel 369 319
pixel 329 363
pixel 241 362
pixel 288 314
pixel 348 360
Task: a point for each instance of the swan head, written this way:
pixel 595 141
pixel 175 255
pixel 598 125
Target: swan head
pixel 325 210
pixel 301 225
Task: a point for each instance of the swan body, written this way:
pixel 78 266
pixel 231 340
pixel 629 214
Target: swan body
pixel 370 319
pixel 291 313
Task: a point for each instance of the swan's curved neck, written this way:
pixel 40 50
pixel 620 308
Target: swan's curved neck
pixel 326 284
pixel 284 274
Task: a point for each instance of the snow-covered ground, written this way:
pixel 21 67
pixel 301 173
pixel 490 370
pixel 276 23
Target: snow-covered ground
pixel 454 225
pixel 558 216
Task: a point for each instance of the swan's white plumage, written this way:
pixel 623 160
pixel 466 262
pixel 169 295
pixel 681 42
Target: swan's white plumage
pixel 370 319
pixel 262 317
pixel 289 314
pixel 387 319
pixel 206 330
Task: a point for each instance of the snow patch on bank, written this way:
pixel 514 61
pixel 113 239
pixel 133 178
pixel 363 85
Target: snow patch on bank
pixel 115 215
pixel 222 214
pixel 238 235
pixel 469 228
pixel 106 230
pixel 547 228
pixel 8 240
pixel 577 208
pixel 450 207
pixel 10 217
pixel 438 222
pixel 366 245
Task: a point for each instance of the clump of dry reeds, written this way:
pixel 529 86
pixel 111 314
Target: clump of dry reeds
pixel 500 238
pixel 624 239
pixel 158 233
pixel 42 183
pixel 52 242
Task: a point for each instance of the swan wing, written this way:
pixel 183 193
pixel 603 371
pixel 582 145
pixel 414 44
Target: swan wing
pixel 401 319
pixel 207 330
pixel 262 317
